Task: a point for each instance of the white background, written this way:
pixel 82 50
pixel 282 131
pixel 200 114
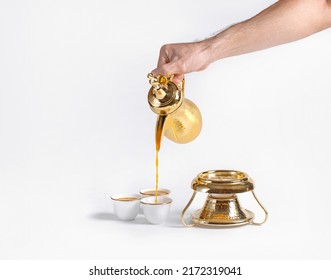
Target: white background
pixel 75 128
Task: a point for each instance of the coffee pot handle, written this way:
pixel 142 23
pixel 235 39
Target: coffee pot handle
pixel 182 83
pixel 184 211
pixel 265 211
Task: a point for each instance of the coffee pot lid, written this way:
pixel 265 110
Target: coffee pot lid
pixel 164 97
pixel 222 182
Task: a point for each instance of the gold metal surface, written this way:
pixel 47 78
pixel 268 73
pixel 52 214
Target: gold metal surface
pixel 182 216
pixel 164 97
pixel 185 124
pixel 222 207
pixel 197 220
pixel 179 118
pixel 222 182
pixel 265 211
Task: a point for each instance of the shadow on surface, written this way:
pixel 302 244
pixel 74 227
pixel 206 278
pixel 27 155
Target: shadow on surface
pixel 174 220
pixel 104 216
pixel 107 216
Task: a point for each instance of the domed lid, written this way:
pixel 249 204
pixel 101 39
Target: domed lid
pixel 164 97
pixel 222 182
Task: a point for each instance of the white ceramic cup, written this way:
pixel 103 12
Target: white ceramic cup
pixel 156 210
pixel 126 205
pixel 152 192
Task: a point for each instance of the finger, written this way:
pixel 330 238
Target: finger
pixel 168 69
pixel 203 67
pixel 163 55
pixel 178 79
pixel 163 59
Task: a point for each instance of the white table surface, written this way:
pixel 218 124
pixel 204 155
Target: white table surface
pixel 75 128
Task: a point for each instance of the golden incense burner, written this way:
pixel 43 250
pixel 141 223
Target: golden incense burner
pixel 222 207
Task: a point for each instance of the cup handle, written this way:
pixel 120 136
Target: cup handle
pixel 184 211
pixel 265 212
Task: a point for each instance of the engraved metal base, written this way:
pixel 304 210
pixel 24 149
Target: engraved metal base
pixel 222 207
pixel 198 221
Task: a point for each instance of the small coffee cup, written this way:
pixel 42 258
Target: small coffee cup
pixel 152 192
pixel 126 206
pixel 156 209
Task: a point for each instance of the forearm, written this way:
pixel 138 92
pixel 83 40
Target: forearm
pixel 283 22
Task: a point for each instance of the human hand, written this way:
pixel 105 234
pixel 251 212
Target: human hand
pixel 179 59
